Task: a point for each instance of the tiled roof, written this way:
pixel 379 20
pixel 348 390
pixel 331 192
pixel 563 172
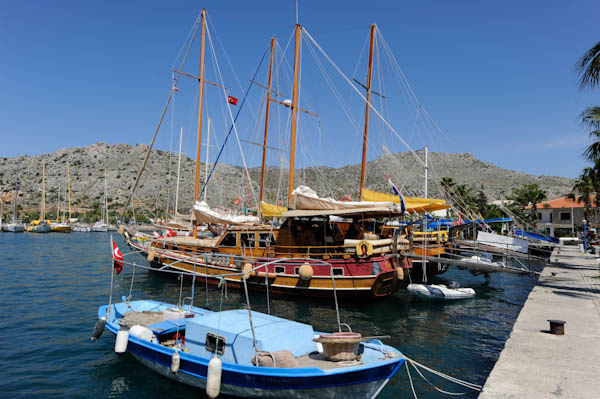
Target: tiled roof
pixel 563 202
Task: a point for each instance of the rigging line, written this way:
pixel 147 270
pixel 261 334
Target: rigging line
pixel 137 179
pixel 230 64
pixel 364 99
pixel 190 33
pixel 233 120
pixel 337 95
pixel 404 90
pixel 432 121
pixel 399 70
pixel 317 61
pixel 233 124
pixel 362 51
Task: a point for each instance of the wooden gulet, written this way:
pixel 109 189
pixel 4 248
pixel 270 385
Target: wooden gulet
pixel 296 265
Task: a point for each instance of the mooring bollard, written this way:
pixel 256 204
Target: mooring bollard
pixel 557 327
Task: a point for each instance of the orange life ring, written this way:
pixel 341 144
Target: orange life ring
pixel 237 200
pixel 346 198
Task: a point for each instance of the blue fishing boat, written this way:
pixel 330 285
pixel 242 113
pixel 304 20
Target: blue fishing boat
pixel 258 355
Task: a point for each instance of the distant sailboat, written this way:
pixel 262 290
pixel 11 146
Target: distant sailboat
pixel 102 225
pixel 15 226
pixel 63 225
pixel 41 225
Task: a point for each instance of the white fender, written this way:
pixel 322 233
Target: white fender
pixel 142 332
pixel 122 339
pixel 175 361
pixel 213 377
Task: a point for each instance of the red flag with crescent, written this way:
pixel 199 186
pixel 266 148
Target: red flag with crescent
pixel 117 258
pixel 232 100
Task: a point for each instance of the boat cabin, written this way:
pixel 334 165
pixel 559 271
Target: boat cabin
pixel 228 334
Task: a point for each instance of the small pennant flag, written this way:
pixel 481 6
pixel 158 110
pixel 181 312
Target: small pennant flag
pixel 117 257
pixel 175 88
pixel 398 193
pixel 232 100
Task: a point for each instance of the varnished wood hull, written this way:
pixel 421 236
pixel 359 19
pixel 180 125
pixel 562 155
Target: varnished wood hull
pixel 381 280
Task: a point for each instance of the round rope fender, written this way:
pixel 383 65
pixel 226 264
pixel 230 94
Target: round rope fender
pixel 400 273
pixel 237 200
pixel 151 255
pixel 247 270
pixel 306 271
pixel 364 248
pixel 346 198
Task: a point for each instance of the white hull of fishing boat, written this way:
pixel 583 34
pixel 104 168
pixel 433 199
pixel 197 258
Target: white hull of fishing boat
pixel 81 229
pixel 435 291
pixel 503 242
pixel 13 228
pixel 99 227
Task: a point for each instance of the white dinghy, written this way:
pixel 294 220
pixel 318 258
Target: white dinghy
pixel 440 291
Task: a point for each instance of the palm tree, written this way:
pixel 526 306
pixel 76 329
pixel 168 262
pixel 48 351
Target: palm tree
pixel 529 194
pixel 588 67
pixel 447 185
pixel 590 118
pixel 584 186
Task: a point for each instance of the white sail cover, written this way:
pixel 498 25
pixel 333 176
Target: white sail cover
pixel 503 242
pixel 304 197
pixel 201 213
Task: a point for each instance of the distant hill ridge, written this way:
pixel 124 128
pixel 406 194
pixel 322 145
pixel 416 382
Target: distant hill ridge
pixel 120 162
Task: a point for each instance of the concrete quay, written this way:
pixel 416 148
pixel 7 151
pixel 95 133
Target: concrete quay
pixel 537 364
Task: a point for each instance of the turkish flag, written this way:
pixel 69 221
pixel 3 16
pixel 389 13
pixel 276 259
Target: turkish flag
pixel 117 257
pixel 232 100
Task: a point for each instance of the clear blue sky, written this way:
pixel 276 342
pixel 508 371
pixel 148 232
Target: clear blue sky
pixel 497 77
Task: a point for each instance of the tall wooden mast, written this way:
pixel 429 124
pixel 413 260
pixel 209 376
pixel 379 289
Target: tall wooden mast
pixel 43 190
pixel 264 153
pixel 69 188
pixel 294 112
pixel 363 165
pixel 200 106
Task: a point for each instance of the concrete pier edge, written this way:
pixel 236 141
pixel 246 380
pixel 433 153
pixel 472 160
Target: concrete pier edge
pixel 537 364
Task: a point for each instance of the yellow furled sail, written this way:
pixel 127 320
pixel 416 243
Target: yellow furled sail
pixel 270 210
pixel 412 204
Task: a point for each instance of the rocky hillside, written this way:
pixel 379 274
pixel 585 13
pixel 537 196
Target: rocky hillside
pixel 120 163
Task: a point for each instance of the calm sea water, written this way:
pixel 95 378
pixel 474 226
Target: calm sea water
pixel 52 284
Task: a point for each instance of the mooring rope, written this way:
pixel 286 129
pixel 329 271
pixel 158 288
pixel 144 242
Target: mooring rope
pixel 470 385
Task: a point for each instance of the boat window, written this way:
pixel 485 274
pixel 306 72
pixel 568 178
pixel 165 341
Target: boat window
pixel 215 343
pixel 248 240
pixel 297 270
pixel 230 240
pixel 280 269
pixel 265 240
pixel 338 271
